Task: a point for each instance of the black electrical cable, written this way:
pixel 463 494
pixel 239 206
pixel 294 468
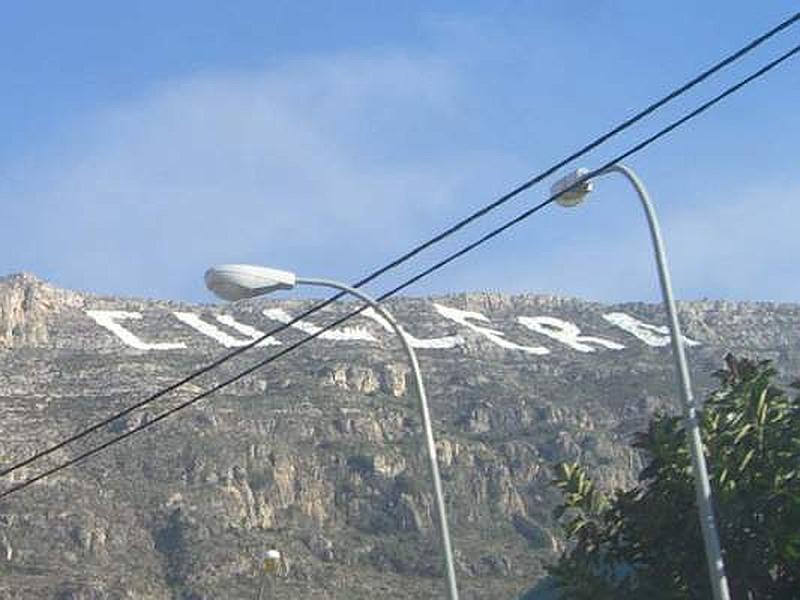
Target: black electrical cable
pixel 421 247
pixel 468 248
pixel 416 250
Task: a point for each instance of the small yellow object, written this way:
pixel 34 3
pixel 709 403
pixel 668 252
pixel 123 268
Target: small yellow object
pixel 272 561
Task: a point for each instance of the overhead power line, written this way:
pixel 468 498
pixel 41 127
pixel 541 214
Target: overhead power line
pixel 419 248
pixel 437 266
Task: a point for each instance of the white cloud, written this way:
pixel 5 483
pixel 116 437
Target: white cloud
pixel 744 245
pixel 740 245
pixel 333 165
pixel 276 165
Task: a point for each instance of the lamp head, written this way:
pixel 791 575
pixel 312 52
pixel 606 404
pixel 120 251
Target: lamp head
pixel 237 282
pixel 571 194
pixel 272 561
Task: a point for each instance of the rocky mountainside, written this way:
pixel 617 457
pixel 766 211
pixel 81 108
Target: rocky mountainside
pixel 320 454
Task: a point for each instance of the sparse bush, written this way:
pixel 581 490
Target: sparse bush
pixel 646 542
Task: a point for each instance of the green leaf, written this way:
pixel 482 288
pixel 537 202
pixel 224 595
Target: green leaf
pixel 742 432
pixel 747 458
pixel 762 406
pixel 723 476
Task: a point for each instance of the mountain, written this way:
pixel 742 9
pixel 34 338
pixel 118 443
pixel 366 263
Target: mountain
pixel 320 454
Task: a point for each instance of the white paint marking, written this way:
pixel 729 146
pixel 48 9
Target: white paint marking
pixel 450 341
pixel 346 334
pixel 247 330
pixel 496 337
pixel 652 335
pixel 566 333
pixel 215 333
pixel 108 319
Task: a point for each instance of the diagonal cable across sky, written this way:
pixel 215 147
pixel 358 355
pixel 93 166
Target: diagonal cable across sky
pixel 415 251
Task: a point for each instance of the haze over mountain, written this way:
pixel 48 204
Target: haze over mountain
pixel 319 454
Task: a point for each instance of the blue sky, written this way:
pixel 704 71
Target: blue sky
pixel 144 141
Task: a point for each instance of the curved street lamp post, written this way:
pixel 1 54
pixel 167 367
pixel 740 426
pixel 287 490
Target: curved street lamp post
pixel 573 189
pixel 237 282
pixel 272 562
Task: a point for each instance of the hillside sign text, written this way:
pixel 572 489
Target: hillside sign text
pixel 230 333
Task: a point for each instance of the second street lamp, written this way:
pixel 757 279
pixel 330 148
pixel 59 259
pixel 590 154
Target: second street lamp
pixel 272 562
pixel 237 282
pixel 571 191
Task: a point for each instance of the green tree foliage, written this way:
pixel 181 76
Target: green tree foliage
pixel 646 543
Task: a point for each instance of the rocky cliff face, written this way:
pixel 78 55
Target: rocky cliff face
pixel 25 305
pixel 320 453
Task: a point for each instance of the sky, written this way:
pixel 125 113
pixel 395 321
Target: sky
pixel 143 142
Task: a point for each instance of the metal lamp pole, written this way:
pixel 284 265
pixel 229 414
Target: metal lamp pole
pixel 236 282
pixel 426 423
pixel 573 194
pixel 271 563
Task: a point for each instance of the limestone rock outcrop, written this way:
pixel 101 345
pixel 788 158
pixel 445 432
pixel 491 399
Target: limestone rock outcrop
pixel 320 454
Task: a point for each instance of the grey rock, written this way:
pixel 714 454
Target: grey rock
pixel 320 454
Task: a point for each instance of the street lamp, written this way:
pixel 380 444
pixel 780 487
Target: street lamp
pixel 272 561
pixel 573 189
pixel 237 282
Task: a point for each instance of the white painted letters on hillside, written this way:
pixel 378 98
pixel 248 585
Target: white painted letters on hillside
pixel 346 334
pixel 215 333
pixel 235 334
pixel 450 341
pixel 247 330
pixel 462 317
pixel 567 333
pixel 652 335
pixel 108 319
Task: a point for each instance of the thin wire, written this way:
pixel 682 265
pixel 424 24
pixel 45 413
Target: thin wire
pixel 480 241
pixel 420 248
